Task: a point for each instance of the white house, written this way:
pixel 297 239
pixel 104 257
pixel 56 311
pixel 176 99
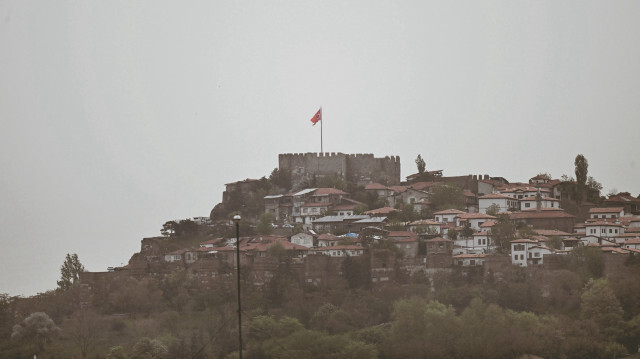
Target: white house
pixel 606 212
pixel 608 230
pixel 520 251
pixel 546 202
pixel 633 243
pixel 474 219
pixel 340 251
pixel 303 239
pixel 468 260
pixel 424 226
pixel 502 201
pixel 447 216
pixel 327 240
pixel 536 253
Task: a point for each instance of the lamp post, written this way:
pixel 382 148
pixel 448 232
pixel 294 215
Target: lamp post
pixel 236 220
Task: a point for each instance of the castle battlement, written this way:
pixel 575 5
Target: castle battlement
pixel 359 168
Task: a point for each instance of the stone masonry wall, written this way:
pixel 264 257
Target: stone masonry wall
pixel 359 168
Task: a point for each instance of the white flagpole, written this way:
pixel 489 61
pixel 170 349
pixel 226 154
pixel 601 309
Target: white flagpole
pixel 321 121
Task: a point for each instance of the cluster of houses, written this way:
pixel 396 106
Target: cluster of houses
pixel 464 235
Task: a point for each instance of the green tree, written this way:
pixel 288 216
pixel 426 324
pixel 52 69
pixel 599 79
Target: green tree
pixel 70 271
pixel 503 232
pixel 280 179
pixel 116 352
pixel 36 329
pixel 146 348
pixel 265 225
pixel 446 196
pixel 600 304
pixel 493 209
pixel 581 170
pixel 467 231
pixel 420 164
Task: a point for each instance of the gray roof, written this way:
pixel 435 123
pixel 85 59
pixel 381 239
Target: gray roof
pixel 329 219
pixel 304 191
pixel 274 196
pixel 372 220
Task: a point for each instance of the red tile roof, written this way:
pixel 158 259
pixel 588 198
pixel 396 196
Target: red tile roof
pixel 328 191
pixel 449 211
pixel 489 223
pixel 606 210
pixel 551 232
pixel 375 186
pixel 475 216
pixel 383 210
pixel 543 214
pixel 495 196
pixel 423 185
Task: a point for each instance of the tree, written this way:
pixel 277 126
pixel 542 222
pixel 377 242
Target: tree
pixel 593 184
pixel 600 304
pixel 38 328
pixel 147 348
pixel 265 225
pixel 467 231
pixel 70 271
pixel 85 330
pixel 445 196
pixel 493 209
pixel 581 170
pixel 420 164
pixel 281 179
pixel 503 232
pixel 452 234
pixel 544 175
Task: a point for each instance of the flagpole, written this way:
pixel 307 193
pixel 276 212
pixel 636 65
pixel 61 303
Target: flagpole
pixel 321 151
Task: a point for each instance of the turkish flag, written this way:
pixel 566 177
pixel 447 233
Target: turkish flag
pixel 317 117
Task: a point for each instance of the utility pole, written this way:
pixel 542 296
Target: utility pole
pixel 236 219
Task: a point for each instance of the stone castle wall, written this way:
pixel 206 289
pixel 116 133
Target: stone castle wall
pixel 358 168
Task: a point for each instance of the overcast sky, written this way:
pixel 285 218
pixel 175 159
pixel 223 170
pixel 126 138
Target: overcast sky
pixel 116 116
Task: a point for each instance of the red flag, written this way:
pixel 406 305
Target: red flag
pixel 317 117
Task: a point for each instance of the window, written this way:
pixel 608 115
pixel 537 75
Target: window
pixel 472 262
pixel 552 204
pixel 479 241
pixel 484 241
pixel 515 258
pixel 537 254
pixel 522 257
pixel 527 204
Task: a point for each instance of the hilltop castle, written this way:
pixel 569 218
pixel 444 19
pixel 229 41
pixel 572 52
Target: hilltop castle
pixel 358 168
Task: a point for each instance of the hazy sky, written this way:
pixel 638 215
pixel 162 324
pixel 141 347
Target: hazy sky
pixel 116 116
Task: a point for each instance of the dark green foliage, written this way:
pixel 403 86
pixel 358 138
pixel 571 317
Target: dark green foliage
pixel 503 232
pixel 446 196
pixel 70 272
pixel 581 170
pixel 185 227
pixel 420 164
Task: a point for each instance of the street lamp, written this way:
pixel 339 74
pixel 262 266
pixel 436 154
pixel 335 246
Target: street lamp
pixel 236 220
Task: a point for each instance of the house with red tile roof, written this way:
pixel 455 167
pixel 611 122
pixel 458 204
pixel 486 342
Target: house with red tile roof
pixel 545 219
pixel 424 226
pixel 447 215
pixel 502 201
pixel 474 219
pixel 468 260
pixel 340 251
pixel 545 202
pixel 520 251
pixel 606 212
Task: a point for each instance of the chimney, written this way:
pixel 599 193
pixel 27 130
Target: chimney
pixel 538 201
